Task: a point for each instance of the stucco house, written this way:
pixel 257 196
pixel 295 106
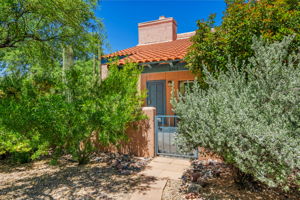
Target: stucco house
pixel 161 51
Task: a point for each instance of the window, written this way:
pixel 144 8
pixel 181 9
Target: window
pixel 185 86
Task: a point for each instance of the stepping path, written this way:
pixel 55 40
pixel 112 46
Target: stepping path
pixel 162 168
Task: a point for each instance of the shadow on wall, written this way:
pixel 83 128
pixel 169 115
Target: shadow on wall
pixel 139 141
pixel 141 137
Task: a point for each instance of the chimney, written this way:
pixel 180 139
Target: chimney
pixel 161 30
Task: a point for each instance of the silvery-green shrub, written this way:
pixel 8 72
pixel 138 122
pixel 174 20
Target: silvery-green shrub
pixel 250 117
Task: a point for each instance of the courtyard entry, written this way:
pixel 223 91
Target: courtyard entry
pixel 165 133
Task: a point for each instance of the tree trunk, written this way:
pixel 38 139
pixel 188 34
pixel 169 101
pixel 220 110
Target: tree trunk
pixel 68 62
pixel 243 180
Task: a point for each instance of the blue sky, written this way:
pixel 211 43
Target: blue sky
pixel 121 17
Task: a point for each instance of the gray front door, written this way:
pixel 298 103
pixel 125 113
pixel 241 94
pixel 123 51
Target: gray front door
pixel 157 96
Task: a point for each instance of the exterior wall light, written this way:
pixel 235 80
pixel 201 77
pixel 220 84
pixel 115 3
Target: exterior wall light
pixel 170 83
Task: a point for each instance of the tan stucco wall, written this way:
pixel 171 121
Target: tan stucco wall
pixel 141 137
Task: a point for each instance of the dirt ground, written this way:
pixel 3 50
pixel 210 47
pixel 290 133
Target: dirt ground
pixel 220 187
pixel 115 179
pixel 97 180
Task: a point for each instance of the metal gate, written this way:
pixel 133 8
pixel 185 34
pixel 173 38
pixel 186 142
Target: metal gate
pixel 165 133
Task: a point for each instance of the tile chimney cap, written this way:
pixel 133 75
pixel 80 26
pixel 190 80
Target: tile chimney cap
pixel 162 17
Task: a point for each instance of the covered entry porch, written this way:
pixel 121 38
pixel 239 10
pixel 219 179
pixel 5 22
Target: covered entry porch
pixel 161 81
pixel 159 86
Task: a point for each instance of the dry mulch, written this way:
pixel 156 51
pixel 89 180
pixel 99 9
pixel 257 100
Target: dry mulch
pixel 212 180
pixel 107 176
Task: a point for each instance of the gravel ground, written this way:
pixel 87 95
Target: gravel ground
pixel 106 177
pixel 214 181
pixel 172 191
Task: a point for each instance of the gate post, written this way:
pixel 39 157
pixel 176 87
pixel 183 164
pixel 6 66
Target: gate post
pixel 150 112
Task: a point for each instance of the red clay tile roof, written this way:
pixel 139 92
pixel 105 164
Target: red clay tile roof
pixel 154 52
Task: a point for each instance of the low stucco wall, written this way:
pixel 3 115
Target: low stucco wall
pixel 205 155
pixel 141 137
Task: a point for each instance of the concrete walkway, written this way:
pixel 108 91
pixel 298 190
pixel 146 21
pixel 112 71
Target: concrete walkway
pixel 162 168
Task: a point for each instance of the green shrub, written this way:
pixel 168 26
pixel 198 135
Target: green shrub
pixel 270 19
pixel 250 117
pixel 62 115
pixel 14 146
